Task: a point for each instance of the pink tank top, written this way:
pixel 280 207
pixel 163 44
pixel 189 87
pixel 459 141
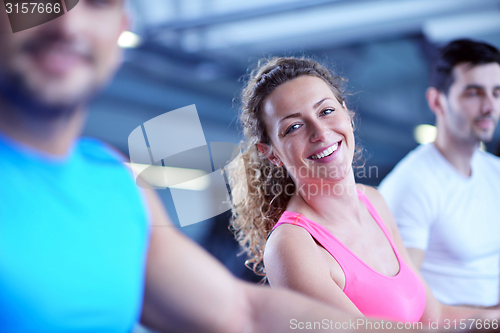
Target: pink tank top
pixel 399 298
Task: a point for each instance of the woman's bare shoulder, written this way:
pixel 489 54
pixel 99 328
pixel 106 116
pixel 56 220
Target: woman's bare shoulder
pixel 379 203
pixel 373 195
pixel 371 192
pixel 288 237
pixel 293 259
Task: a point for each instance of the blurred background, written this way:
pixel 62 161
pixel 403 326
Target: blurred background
pixel 183 52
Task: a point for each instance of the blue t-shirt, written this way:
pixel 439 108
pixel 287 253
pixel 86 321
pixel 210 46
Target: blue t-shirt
pixel 73 241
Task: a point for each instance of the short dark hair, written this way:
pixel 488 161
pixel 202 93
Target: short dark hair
pixel 456 52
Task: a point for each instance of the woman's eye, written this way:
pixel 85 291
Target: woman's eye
pixel 292 128
pixel 327 111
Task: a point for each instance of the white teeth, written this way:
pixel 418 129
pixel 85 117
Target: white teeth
pixel 325 152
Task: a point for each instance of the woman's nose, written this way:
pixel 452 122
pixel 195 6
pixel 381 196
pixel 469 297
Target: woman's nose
pixel 319 132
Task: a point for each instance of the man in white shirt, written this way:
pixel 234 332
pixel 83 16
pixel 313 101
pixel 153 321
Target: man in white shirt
pixel 445 195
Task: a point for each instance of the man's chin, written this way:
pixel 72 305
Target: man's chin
pixel 46 109
pixel 485 137
pixel 48 102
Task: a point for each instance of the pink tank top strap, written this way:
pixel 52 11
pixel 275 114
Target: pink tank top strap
pixel 288 217
pixel 377 219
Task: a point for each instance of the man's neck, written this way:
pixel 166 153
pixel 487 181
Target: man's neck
pixel 51 136
pixel 459 154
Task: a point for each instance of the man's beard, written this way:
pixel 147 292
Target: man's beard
pixel 488 137
pixel 15 92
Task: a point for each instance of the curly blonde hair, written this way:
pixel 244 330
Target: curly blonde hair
pixel 265 188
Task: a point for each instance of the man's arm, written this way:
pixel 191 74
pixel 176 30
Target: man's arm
pixel 187 290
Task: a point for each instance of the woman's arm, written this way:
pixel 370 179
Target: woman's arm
pixel 434 310
pixel 294 260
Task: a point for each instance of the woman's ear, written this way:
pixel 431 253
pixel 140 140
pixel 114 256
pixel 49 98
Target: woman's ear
pixel 268 152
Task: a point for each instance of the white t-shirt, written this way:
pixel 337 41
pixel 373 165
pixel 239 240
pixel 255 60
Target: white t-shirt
pixel 453 218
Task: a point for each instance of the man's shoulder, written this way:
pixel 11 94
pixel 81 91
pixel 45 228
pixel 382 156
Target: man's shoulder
pixel 489 158
pixel 419 164
pixel 105 164
pixel 99 151
pixel 488 165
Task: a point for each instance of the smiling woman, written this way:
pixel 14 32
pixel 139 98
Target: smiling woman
pixel 332 239
pixel 269 184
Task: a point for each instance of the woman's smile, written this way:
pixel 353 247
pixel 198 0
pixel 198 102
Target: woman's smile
pixel 326 155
